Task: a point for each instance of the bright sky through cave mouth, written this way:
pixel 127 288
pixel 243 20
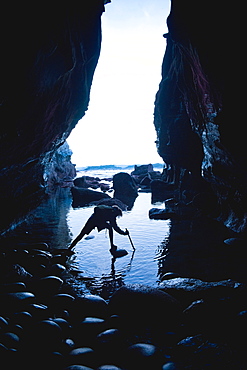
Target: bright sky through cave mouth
pixel 118 126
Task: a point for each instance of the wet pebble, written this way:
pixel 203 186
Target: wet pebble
pixel 142 356
pixel 84 356
pixel 64 325
pixel 89 306
pixel 67 345
pixel 57 269
pixel 170 366
pixel 169 275
pixel 38 311
pixel 78 367
pixel 23 318
pixel 58 258
pixel 109 337
pixel 13 287
pixel 3 323
pixel 62 301
pixel 48 285
pixel 40 259
pixel 3 349
pixel 41 252
pixel 12 302
pixel 109 367
pixel 39 246
pixel 18 297
pixel 86 331
pixel 46 335
pixel 110 344
pixel 10 340
pixel 235 242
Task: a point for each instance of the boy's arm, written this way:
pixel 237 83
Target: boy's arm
pixel 117 228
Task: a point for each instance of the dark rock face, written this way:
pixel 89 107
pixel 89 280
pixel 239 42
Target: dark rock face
pixel 198 113
pixel 60 171
pixel 82 197
pixel 125 188
pixel 144 175
pixel 47 68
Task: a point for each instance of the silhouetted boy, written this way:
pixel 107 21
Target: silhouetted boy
pixel 104 217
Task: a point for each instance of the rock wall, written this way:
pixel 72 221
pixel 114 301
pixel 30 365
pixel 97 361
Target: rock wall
pixel 198 111
pixel 59 171
pixel 48 60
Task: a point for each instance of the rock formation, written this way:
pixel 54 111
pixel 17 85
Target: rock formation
pixel 83 197
pixel 198 114
pixel 59 171
pixel 48 60
pixel 125 188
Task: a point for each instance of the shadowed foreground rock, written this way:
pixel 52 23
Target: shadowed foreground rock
pixel 46 324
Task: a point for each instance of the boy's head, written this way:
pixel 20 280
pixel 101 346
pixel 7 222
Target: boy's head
pixel 117 211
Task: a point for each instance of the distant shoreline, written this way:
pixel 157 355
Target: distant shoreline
pixel 115 167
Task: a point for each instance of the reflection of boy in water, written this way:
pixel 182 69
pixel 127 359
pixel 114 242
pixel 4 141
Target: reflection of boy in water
pixel 104 217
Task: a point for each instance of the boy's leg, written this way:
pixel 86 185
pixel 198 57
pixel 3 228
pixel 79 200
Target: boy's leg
pixel 89 226
pixel 77 239
pixel 113 247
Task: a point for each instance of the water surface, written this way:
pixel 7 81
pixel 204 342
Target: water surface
pixel 94 260
pixel 57 223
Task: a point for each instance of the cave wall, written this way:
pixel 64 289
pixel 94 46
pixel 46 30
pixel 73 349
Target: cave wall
pixel 49 55
pixel 60 171
pixel 199 111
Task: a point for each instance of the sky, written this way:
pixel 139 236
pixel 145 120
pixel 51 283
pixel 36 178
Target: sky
pixel 118 126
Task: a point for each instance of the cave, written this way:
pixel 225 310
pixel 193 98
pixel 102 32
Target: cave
pixel 48 64
pixel 46 92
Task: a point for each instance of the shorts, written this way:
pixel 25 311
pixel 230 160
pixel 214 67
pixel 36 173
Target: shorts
pixel 94 222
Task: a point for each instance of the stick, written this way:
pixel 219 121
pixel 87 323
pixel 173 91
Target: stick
pixel 131 242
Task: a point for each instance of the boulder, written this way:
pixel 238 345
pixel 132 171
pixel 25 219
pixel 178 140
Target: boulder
pixel 89 306
pixel 104 186
pixel 82 197
pixel 144 174
pixel 125 188
pixel 161 214
pixel 161 190
pixel 143 169
pixel 194 351
pixel 87 182
pixel 138 306
pixel 189 289
pixel 113 202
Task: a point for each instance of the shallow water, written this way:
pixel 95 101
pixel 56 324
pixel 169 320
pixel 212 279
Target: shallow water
pixel 94 260
pixel 57 223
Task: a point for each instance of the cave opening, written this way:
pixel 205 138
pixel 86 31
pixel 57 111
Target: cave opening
pixel 118 126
